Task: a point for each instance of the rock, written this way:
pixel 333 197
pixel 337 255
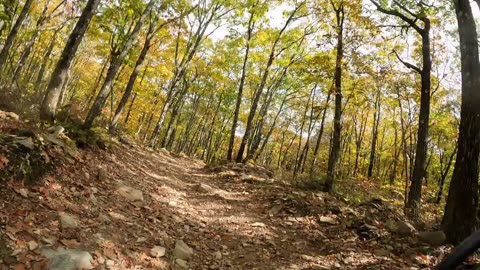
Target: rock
pixel 404 228
pixel 32 245
pixel 130 194
pixel 203 188
pixel 275 210
pixel 381 252
pixel 27 142
pixel 182 250
pixel 104 219
pixel 157 251
pixel 102 174
pixel 227 174
pixel 93 199
pixel 141 240
pixel 68 222
pixel 437 238
pixel 94 190
pixel 22 192
pixel 109 263
pixel 68 259
pixel 182 263
pixel 328 220
pixel 9 116
pixel 218 255
pixel 258 224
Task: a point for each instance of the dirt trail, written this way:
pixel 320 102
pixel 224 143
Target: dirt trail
pixel 230 221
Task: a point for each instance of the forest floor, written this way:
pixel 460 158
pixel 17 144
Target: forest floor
pixel 128 207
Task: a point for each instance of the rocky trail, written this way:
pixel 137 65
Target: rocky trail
pixel 134 208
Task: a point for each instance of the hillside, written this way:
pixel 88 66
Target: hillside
pixel 133 208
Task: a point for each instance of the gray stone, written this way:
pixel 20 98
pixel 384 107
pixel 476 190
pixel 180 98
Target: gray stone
pixel 328 220
pixel 203 188
pixel 93 199
pixel 404 228
pixel 157 251
pixel 23 192
pixel 182 250
pixel 104 218
pixel 68 222
pixel 102 174
pixel 275 209
pixel 68 259
pixel 130 194
pixel 182 263
pixel 27 142
pixel 437 238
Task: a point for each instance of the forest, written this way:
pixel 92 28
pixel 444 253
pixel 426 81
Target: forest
pixel 331 95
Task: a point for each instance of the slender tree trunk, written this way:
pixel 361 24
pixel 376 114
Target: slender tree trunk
pixel 443 175
pixel 376 121
pixel 320 134
pixel 131 81
pixel 337 126
pixel 260 88
pixel 13 33
pixel 57 80
pixel 460 218
pixel 231 142
pixel 117 60
pixel 415 194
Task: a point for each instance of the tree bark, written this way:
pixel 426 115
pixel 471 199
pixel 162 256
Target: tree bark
pixel 231 142
pixel 116 62
pixel 57 80
pixel 337 125
pixel 13 33
pixel 460 218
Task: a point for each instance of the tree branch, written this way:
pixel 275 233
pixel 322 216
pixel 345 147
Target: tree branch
pixel 396 13
pixel 408 65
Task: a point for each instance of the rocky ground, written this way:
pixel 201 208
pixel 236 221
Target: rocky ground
pixel 133 208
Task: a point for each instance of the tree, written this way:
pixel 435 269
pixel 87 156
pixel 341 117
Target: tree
pixel 337 125
pixel 412 19
pixel 118 55
pixel 460 218
pixel 57 80
pixel 13 33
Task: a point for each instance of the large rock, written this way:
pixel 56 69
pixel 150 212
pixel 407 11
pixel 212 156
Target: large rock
pixel 182 250
pixel 67 259
pixel 68 222
pixel 9 116
pixel 157 251
pixel 404 228
pixel 130 194
pixel 437 238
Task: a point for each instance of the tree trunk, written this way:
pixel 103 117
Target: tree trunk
pixel 240 87
pixel 460 218
pixel 376 121
pixel 13 33
pixel 415 194
pixel 57 80
pixel 337 125
pixel 116 62
pixel 131 81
